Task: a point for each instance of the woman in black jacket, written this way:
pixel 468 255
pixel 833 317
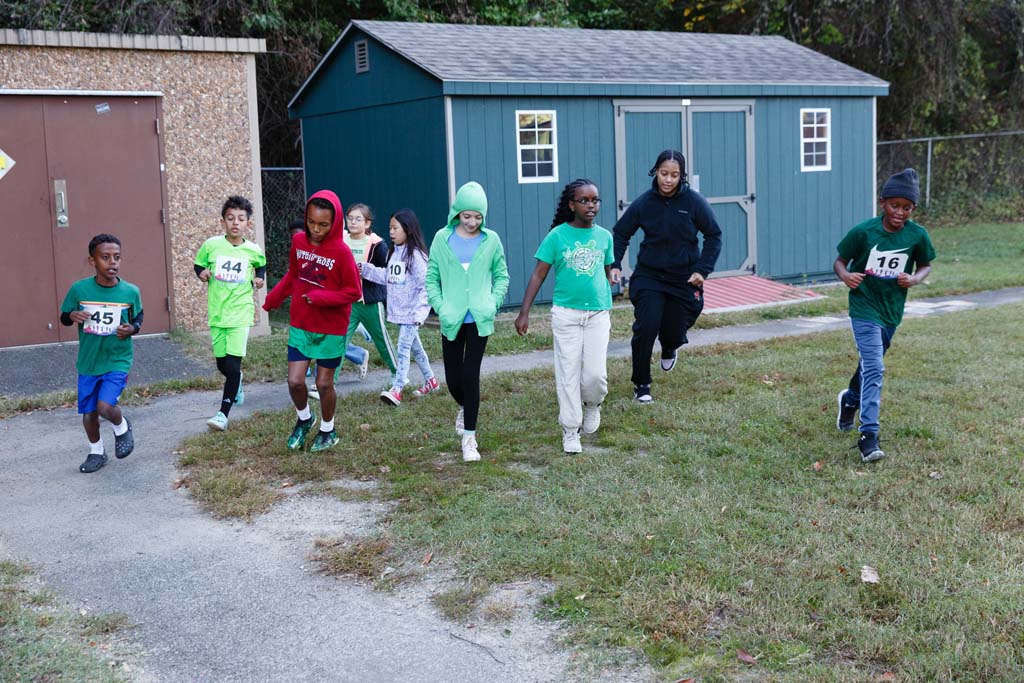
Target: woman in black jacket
pixel 667 286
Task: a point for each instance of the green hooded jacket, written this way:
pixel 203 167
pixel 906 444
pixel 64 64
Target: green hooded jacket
pixel 453 290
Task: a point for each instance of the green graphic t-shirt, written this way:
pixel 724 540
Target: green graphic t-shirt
pixel 358 246
pixel 229 301
pixel 881 255
pixel 99 349
pixel 578 256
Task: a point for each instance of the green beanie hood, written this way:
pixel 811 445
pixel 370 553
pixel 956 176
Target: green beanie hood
pixel 470 197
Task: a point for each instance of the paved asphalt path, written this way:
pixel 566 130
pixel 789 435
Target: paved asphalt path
pixel 229 601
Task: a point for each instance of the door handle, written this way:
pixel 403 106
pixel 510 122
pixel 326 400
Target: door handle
pixel 60 195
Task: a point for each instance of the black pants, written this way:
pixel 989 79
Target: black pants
pixel 663 312
pixel 462 358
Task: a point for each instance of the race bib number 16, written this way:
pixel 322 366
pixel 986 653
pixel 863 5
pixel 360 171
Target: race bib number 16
pixel 231 269
pixel 103 318
pixel 886 264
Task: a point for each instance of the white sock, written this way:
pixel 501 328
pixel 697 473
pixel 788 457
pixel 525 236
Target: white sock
pixel 96 448
pixel 305 413
pixel 326 425
pixel 121 428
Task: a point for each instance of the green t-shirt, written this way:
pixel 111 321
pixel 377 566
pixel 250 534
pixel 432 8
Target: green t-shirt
pixel 358 246
pixel 229 301
pixel 869 248
pixel 579 256
pixel 99 349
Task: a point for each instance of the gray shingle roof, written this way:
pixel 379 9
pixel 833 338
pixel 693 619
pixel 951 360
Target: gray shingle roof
pixel 462 52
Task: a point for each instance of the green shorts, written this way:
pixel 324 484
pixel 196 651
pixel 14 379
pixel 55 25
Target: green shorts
pixel 316 346
pixel 229 341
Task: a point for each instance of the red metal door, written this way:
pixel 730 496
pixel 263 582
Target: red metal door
pixel 107 150
pixel 29 307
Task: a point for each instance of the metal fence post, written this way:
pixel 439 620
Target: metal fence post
pixel 928 177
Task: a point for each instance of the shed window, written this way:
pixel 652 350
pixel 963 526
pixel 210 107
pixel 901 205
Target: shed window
pixel 815 139
pixel 536 146
pixel 362 56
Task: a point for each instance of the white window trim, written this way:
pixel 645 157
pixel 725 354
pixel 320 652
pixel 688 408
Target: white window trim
pixel 553 147
pixel 827 140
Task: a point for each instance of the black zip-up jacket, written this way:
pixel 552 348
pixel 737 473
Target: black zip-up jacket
pixel 372 292
pixel 670 251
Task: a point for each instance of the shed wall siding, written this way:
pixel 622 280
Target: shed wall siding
pixel 802 215
pixel 390 79
pixel 485 151
pixel 389 157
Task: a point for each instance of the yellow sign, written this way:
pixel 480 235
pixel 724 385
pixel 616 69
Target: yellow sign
pixel 6 163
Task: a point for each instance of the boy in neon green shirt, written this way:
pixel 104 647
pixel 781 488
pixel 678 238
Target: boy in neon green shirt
pixel 233 268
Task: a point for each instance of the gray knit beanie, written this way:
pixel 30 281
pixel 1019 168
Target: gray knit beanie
pixel 903 184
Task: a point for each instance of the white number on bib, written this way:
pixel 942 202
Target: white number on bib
pixel 231 269
pixel 886 264
pixel 396 273
pixel 103 318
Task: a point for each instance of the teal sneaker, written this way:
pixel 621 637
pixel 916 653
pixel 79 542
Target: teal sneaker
pixel 218 423
pixel 297 440
pixel 240 396
pixel 323 441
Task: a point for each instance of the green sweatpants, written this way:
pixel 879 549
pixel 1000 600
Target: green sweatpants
pixel 372 318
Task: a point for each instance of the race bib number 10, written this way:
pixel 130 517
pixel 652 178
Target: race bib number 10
pixel 231 270
pixel 886 264
pixel 103 318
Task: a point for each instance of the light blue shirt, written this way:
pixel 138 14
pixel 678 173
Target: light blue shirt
pixel 464 248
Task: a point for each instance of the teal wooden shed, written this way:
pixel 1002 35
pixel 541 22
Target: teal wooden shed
pixel 779 138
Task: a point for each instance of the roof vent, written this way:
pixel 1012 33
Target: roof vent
pixel 362 57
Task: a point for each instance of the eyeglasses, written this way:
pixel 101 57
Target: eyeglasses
pixel 588 202
pixel 356 219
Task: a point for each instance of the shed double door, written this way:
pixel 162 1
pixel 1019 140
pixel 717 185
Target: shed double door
pixel 82 165
pixel 717 140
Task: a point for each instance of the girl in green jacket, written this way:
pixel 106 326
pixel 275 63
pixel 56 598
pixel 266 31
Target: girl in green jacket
pixel 466 284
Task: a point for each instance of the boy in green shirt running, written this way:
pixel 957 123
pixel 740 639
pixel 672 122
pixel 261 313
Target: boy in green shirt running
pixel 108 311
pixel 879 260
pixel 233 267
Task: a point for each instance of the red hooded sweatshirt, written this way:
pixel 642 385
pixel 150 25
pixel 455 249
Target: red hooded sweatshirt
pixel 326 274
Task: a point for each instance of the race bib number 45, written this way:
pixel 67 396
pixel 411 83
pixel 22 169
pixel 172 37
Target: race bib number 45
pixel 103 318
pixel 231 269
pixel 886 264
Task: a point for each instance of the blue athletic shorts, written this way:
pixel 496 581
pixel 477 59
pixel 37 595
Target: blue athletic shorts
pixel 295 355
pixel 106 388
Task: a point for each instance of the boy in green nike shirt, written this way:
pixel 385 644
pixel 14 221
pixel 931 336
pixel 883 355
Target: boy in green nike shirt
pixel 233 267
pixel 108 311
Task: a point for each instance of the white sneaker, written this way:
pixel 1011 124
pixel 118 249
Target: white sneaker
pixel 364 367
pixel 571 441
pixel 469 451
pixel 314 393
pixel 460 422
pixel 591 418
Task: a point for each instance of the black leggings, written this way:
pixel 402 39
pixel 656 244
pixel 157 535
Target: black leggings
pixel 231 368
pixel 462 358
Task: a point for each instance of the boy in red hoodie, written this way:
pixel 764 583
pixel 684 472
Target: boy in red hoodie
pixel 323 281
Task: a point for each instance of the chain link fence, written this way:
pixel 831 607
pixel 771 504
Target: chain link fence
pixel 284 199
pixel 976 176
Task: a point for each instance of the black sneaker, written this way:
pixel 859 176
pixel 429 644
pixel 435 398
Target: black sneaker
pixel 94 462
pixel 847 414
pixel 869 449
pixel 124 444
pixel 642 393
pixel 668 360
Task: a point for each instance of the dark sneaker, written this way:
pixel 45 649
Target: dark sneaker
pixel 668 360
pixel 323 441
pixel 124 444
pixel 94 462
pixel 869 449
pixel 642 393
pixel 297 440
pixel 847 414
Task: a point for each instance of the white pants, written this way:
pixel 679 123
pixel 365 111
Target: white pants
pixel 581 360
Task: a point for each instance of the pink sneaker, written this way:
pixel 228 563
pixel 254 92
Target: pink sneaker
pixel 429 387
pixel 392 396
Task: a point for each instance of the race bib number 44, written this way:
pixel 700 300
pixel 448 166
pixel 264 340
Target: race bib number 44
pixel 886 264
pixel 231 269
pixel 103 318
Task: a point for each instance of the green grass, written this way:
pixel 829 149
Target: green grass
pixel 699 525
pixel 40 641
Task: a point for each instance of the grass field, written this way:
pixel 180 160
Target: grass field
pixel 728 516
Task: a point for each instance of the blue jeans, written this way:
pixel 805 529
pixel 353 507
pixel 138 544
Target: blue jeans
pixel 865 389
pixel 409 344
